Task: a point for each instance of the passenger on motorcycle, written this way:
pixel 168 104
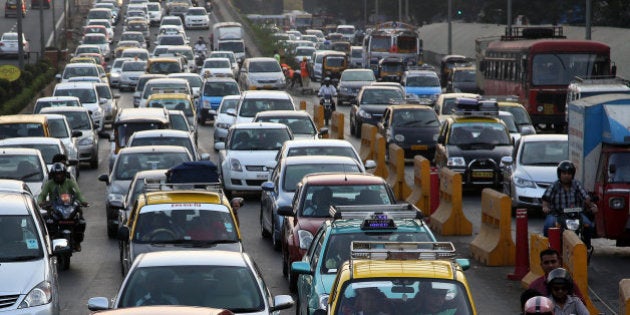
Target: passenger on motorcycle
pixel 564 193
pixel 327 90
pixel 200 46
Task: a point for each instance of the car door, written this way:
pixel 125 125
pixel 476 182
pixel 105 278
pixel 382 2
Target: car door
pixel 268 199
pixel 305 282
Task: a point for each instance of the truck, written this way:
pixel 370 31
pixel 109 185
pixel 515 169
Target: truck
pixel 226 31
pixel 599 146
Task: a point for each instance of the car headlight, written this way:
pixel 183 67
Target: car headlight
pixel 115 198
pixel 40 295
pixel 524 182
pixel 399 138
pixel 456 161
pixel 114 75
pixel 235 165
pixel 364 114
pixel 323 301
pixel 616 203
pixel 222 125
pixel 86 141
pixel 305 238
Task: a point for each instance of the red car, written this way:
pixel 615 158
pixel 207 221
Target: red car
pixel 311 205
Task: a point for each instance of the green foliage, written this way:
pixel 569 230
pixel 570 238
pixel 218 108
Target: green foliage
pixel 33 79
pixel 264 41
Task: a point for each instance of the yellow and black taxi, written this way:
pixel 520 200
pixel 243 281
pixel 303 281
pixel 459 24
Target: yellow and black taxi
pixel 171 216
pixel 473 141
pixel 12 126
pixel 164 65
pixel 175 101
pixel 401 278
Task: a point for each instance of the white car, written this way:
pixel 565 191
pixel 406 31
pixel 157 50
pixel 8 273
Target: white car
pixel 170 29
pixel 216 67
pixel 210 278
pixel 130 71
pixel 9 45
pixel 155 12
pixel 300 122
pixel 249 147
pixel 322 147
pixel 114 71
pixel 196 17
pixel 78 70
pixel 194 80
pixel 533 168
pixel 227 54
pixel 104 22
pixel 167 137
pixel 86 92
pixel 253 102
pixel 60 129
pixel 172 20
pixel 47 146
pixel 223 121
pixel 26 165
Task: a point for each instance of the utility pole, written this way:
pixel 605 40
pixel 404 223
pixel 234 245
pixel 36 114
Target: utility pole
pixel 42 40
pixel 20 35
pixel 52 8
pixel 450 27
pixel 399 10
pixel 376 20
pixel 587 36
pixel 509 16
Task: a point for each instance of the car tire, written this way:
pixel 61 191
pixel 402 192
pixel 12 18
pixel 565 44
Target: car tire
pixel 357 130
pixel 63 262
pixel 112 230
pixel 274 240
pixel 264 233
pixel 292 282
pixel 285 263
pixel 94 162
pixel 351 127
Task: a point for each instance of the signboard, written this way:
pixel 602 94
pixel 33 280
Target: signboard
pixel 10 72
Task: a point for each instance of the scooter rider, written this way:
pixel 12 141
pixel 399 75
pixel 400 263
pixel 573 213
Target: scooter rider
pixel 61 183
pixel 567 192
pixel 327 89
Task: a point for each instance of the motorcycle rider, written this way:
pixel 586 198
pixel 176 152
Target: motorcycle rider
pixel 567 192
pixel 327 90
pixel 200 46
pixel 60 183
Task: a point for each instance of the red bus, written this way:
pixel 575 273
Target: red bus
pixel 537 64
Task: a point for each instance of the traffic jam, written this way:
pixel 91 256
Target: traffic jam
pixel 182 149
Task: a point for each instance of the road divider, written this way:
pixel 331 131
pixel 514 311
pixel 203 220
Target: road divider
pixel 336 125
pixel 494 245
pixel 449 218
pixel 574 258
pixel 379 156
pixel 318 116
pixel 303 105
pixel 396 168
pixel 368 135
pixel 537 243
pixel 421 192
pixel 624 297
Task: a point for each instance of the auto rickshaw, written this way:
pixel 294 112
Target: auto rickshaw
pixel 333 65
pixel 390 69
pixel 342 46
pixel 448 63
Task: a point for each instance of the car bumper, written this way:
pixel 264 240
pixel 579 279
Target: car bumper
pixel 86 152
pixel 527 197
pixel 197 24
pixel 47 309
pixel 244 181
pixel 411 150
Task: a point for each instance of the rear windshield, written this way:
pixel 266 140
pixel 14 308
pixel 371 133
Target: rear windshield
pixel 264 66
pixel 251 107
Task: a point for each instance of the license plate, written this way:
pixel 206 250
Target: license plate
pixel 549 109
pixel 66 222
pixel 572 210
pixel 267 87
pixel 419 147
pixel 261 176
pixel 482 174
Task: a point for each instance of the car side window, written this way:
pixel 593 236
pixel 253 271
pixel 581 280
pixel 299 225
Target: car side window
pixel 316 246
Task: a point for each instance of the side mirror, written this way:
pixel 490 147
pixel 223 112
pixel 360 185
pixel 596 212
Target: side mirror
pixel 116 96
pixel 463 262
pixel 301 268
pixel 507 161
pixel 102 100
pixel 98 304
pixel 58 77
pixel 77 133
pixel 323 131
pixel 123 234
pixel 61 246
pixel 104 178
pixel 268 186
pixel 219 146
pixel 286 211
pixel 205 156
pixel 370 164
pixel 231 112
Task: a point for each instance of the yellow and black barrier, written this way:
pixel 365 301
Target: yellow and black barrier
pixel 537 243
pixel 368 135
pixel 421 190
pixel 396 168
pixel 379 156
pixel 318 116
pixel 303 105
pixel 449 218
pixel 336 125
pixel 494 245
pixel 624 297
pixel 574 258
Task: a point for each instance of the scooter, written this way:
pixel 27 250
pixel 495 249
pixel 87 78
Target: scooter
pixel 200 57
pixel 63 221
pixel 326 101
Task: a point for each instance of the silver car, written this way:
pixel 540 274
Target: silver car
pixel 28 280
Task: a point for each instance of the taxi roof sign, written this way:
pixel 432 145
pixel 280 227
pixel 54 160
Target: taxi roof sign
pixel 395 211
pixel 161 185
pixel 402 250
pixel 466 106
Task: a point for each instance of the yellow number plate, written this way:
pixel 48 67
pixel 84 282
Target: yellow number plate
pixel 549 109
pixel 483 174
pixel 419 147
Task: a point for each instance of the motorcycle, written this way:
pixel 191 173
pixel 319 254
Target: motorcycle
pixel 63 220
pixel 327 102
pixel 571 219
pixel 200 56
pixel 208 6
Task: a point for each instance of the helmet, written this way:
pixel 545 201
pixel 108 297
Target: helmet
pixel 566 166
pixel 327 80
pixel 538 305
pixel 560 276
pixel 57 168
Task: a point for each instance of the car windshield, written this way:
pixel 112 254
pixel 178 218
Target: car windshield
pixel 176 141
pixel 298 125
pixel 48 151
pixel 264 66
pixel 293 173
pixel 250 107
pixel 220 89
pixel 544 153
pixel 94 40
pixel 19 239
pixel 178 122
pixel 318 199
pixel 358 76
pixel 508 120
pixel 381 97
pixel 228 104
pixel 618 167
pixel 86 96
pixel 301 51
pixel 173 104
pixel 21 130
pixel 125 130
pixel 479 133
pixel 196 11
pixel 70 72
pixel 228 287
pixel 26 168
pixel 57 128
pixel 127 165
pixel 415 118
pixel 338 245
pixel 323 150
pixel 184 52
pixel 165 67
pixel 77 120
pixel 410 295
pixel 258 139
pixel 134 66
pixel 335 61
pixel 214 63
pixel 171 40
pixel 43 104
pixel 521 117
pixel 235 46
pixel 464 76
pixel 104 91
pixel 422 80
pixel 223 55
pixel 153 88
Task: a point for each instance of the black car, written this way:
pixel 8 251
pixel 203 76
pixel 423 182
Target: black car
pixel 371 103
pixel 414 128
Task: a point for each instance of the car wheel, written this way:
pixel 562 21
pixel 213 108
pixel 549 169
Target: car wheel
pixel 63 262
pixel 351 127
pixel 94 162
pixel 292 282
pixel 112 230
pixel 357 130
pixel 264 233
pixel 274 239
pixel 285 262
pixel 298 306
pixel 122 264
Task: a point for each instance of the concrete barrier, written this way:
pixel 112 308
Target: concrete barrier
pixel 303 105
pixel 379 156
pixel 336 125
pixel 624 297
pixel 449 218
pixel 396 168
pixel 421 190
pixel 368 135
pixel 537 243
pixel 318 116
pixel 574 257
pixel 494 245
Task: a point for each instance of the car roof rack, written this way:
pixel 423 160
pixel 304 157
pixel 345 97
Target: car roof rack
pixel 395 211
pixel 151 185
pixel 602 79
pixel 500 98
pixel 466 106
pixel 375 250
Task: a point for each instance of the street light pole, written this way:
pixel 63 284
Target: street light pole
pixel 450 27
pixel 399 10
pixel 52 8
pixel 42 40
pixel 588 20
pixel 509 16
pixel 20 35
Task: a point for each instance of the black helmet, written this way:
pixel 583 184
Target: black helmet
pixel 566 166
pixel 560 276
pixel 327 80
pixel 57 168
